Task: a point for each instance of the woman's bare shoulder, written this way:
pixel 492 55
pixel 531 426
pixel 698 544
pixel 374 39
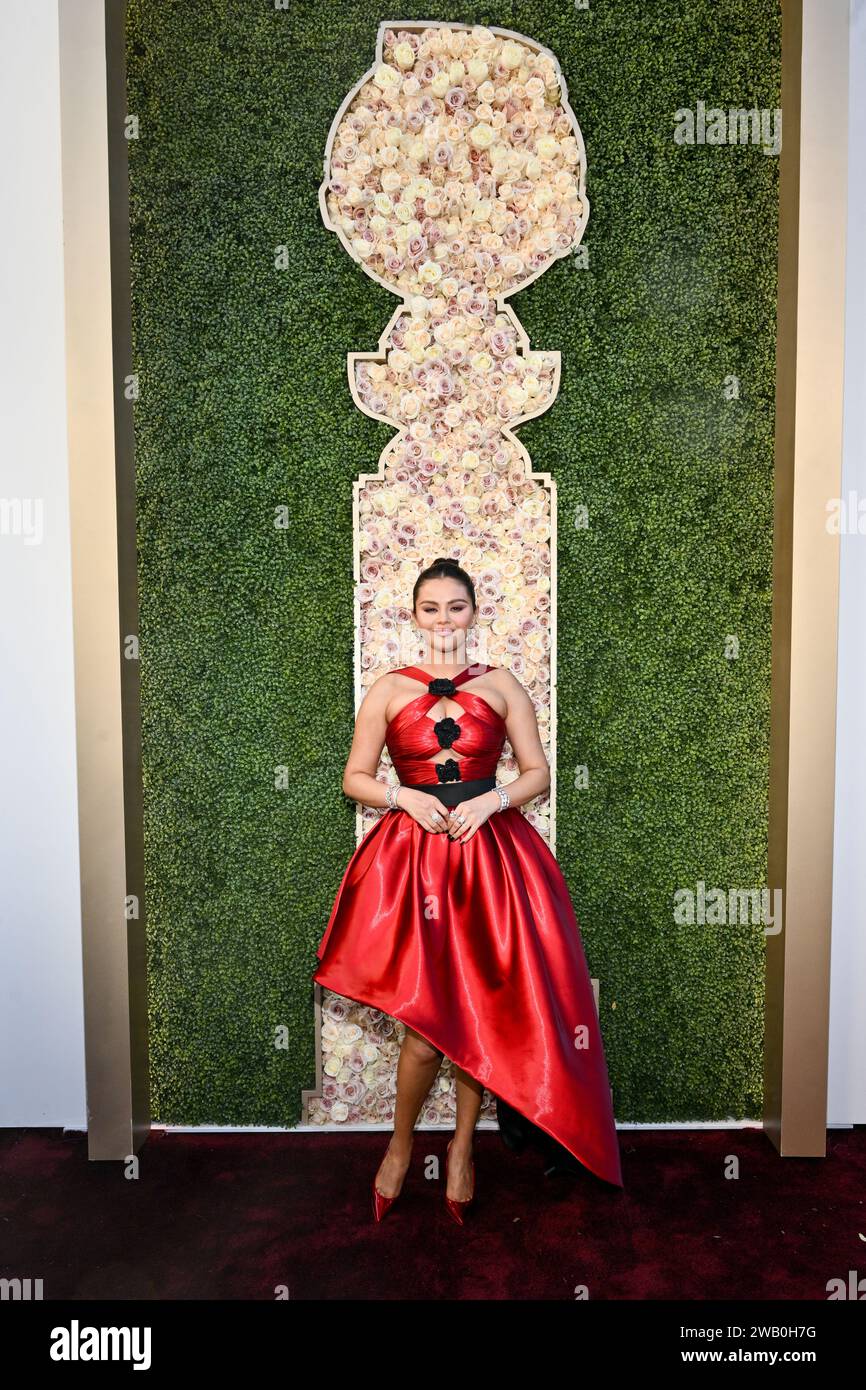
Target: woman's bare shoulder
pixel 508 685
pixel 504 679
pixel 379 693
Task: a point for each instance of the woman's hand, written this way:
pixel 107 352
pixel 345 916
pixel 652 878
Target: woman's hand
pixel 427 810
pixel 475 812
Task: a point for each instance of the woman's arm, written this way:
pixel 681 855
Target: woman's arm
pixel 359 777
pixel 521 726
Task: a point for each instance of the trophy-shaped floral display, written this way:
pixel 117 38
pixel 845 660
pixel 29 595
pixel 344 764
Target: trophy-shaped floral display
pixel 454 175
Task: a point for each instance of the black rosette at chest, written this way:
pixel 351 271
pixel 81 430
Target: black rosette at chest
pixel 447 731
pixel 442 685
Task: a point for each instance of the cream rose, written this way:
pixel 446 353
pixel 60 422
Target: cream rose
pixel 512 54
pixel 415 337
pixel 387 78
pixel 482 136
pixel 399 361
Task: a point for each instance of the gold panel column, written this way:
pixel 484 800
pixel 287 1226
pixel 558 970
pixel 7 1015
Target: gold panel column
pixel 809 378
pixel 104 586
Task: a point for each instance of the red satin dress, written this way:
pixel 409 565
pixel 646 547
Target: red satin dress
pixel 476 946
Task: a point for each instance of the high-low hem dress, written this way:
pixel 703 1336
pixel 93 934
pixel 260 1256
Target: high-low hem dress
pixel 475 945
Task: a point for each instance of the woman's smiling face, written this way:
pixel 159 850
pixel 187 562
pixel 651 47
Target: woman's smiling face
pixel 444 613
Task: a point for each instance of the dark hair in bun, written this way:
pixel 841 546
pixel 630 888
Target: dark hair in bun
pixel 443 568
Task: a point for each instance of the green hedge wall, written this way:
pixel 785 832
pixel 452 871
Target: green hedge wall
pixel 247 627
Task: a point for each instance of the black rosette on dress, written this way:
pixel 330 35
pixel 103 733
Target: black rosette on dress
pixel 442 685
pixel 449 771
pixel 446 730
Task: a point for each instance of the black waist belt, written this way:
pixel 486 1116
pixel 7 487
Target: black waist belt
pixel 452 793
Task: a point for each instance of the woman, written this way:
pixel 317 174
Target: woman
pixel 453 915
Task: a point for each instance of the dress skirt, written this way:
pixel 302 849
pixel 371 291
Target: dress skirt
pixel 476 946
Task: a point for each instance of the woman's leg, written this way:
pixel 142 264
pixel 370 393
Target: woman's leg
pixel 416 1071
pixel 469 1096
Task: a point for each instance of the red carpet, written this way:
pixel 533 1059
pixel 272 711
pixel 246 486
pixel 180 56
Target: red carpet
pixel 234 1216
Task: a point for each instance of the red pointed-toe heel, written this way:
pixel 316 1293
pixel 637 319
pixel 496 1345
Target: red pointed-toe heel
pixel 457 1206
pixel 381 1203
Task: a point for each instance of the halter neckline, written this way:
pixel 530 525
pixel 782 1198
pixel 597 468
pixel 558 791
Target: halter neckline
pixel 455 680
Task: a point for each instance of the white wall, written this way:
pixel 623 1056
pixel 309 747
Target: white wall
pixel 847 1079
pixel 41 996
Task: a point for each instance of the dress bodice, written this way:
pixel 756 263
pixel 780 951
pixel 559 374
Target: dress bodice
pixel 413 738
